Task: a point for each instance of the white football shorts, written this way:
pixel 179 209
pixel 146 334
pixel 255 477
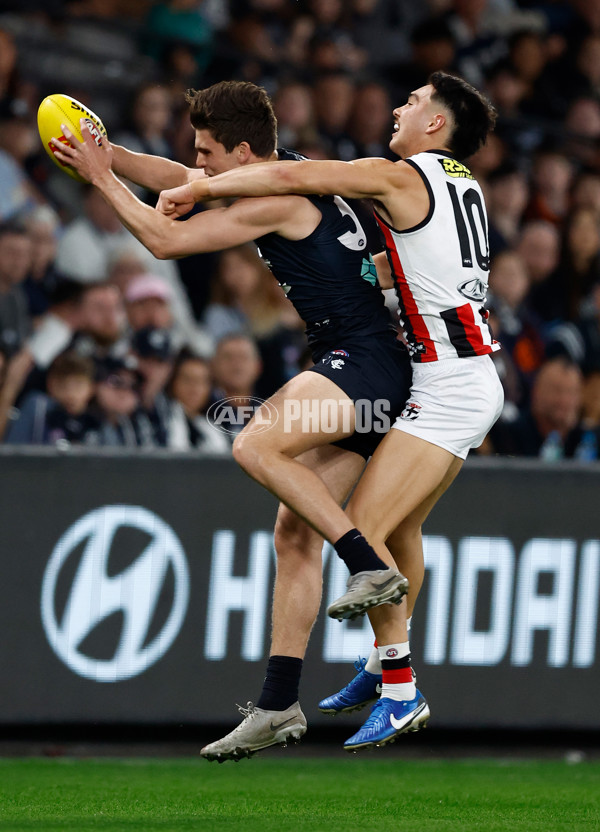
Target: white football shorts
pixel 453 403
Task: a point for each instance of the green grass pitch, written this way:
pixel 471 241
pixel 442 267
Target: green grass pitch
pixel 279 792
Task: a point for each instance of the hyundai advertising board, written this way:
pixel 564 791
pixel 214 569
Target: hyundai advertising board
pixel 137 589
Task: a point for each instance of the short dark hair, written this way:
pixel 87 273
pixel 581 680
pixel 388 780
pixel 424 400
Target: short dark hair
pixel 235 112
pixel 72 364
pixel 12 226
pixel 474 115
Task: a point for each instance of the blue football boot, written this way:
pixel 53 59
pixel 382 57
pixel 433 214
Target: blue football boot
pixel 360 691
pixel 390 718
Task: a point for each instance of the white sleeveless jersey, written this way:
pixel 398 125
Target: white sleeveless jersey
pixel 441 266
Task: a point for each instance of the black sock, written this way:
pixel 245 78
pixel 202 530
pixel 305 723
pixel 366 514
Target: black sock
pixel 357 554
pixel 280 688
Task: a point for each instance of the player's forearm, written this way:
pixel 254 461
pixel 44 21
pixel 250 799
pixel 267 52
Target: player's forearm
pixel 152 172
pixel 275 178
pixel 151 228
pixel 384 271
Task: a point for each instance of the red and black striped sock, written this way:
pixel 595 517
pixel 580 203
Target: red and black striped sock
pixel 396 671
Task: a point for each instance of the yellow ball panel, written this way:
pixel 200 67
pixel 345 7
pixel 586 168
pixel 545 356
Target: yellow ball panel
pixel 60 109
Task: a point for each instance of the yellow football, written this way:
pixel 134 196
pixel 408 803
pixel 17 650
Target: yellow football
pixel 60 109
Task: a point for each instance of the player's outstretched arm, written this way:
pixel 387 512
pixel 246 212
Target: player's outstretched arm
pixel 167 238
pixel 363 178
pixel 152 172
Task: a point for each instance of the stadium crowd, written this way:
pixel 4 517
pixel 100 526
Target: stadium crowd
pixel 102 344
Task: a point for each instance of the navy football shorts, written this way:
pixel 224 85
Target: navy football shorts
pixel 376 374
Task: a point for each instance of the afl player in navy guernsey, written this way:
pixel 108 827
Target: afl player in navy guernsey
pixel 319 252
pixel 432 214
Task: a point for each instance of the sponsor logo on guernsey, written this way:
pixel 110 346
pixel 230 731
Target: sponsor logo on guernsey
pixel 455 169
pixel 368 270
pixel 391 653
pixel 411 411
pixel 473 289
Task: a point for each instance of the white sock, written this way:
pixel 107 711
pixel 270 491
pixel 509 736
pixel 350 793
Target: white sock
pixel 373 664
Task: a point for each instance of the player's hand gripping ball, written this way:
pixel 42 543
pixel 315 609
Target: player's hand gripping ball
pixel 60 109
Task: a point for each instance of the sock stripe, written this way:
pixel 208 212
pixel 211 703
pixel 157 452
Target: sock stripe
pixel 396 677
pixel 396 664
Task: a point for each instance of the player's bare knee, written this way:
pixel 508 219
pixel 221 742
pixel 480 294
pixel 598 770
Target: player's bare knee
pixel 293 538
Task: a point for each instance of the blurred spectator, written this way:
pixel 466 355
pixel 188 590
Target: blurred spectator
pixel 515 325
pixel 370 122
pixel 539 246
pixel 247 299
pixel 432 48
pixel 87 243
pixel 551 182
pixel 15 263
pixel 294 109
pixel 189 391
pixel 124 267
pixel 180 21
pixel 93 242
pixel 506 89
pixel 506 196
pixel 383 27
pixel 18 140
pixel 148 300
pixel 103 323
pixel 585 192
pixel 582 123
pixel 154 353
pixel 579 268
pixel 587 348
pixel 15 373
pixel 8 70
pixel 550 427
pixel 236 368
pixel 181 72
pixel 151 117
pixel 123 422
pixel 588 64
pixel 56 328
pixel 268 36
pixel 61 415
pixel 334 97
pixel 528 55
pixel 235 299
pixel 26 371
pixel 43 227
pixel 150 303
pixel 479 45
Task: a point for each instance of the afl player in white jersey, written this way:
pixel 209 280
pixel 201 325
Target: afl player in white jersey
pixel 432 214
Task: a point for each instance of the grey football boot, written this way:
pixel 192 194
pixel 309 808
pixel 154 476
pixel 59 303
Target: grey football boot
pixel 369 589
pixel 259 729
